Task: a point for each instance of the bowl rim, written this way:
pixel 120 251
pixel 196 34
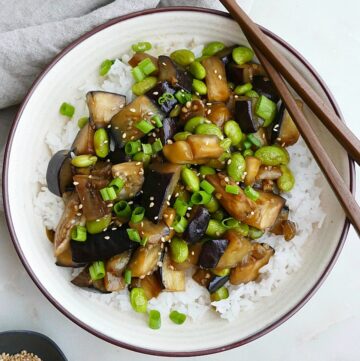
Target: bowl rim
pixel 72 317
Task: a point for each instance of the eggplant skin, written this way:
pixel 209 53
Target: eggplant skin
pixel 158 91
pixel 263 86
pixel 199 220
pixel 217 282
pixel 244 115
pixel 211 252
pixel 102 246
pixel 168 130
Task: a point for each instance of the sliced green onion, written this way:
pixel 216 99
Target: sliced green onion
pixel 247 144
pixel 108 193
pixel 98 225
pixel 138 300
pixel 200 197
pixel 207 187
pixel 137 74
pixel 181 207
pixel 117 184
pixel 157 121
pixel 221 294
pixel 147 148
pixel 122 209
pixel 78 233
pixel 105 66
pixel 67 110
pixel 179 224
pixel 221 273
pixel 132 147
pixel 156 146
pixel 225 143
pixel 255 233
pixel 97 270
pixel 154 319
pixel 142 157
pixel 82 122
pixel 177 317
pixel 215 228
pixel 242 89
pixel 252 94
pixel 141 47
pixel 147 66
pixel 205 170
pixel 138 214
pixel 247 152
pixel 133 235
pixel 165 97
pixel 127 276
pixel 218 215
pixel 143 241
pixel 181 136
pixel 233 189
pixel 144 126
pixel 265 109
pixel 254 140
pixel 183 96
pixel 251 193
pixel 230 223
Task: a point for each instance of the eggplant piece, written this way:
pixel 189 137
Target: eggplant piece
pixel 225 55
pixel 168 130
pixel 196 109
pixel 133 175
pixel 197 225
pixel 202 277
pixel 59 173
pixel 65 260
pixel 160 182
pixel 245 115
pixel 269 172
pixel 151 285
pixel 263 86
pixel 217 282
pixel 158 91
pixel 88 190
pixel 240 74
pixel 283 226
pixel 117 154
pixel 169 216
pixel 155 233
pixel 103 106
pixel 284 130
pixel 252 168
pixel 218 113
pixel 83 280
pixel 172 279
pixel 216 82
pixel 268 185
pixel 123 123
pixel 84 141
pixel 67 221
pixel 249 269
pixel 179 152
pixel 170 72
pixel 102 170
pixel 211 252
pixel 114 280
pixel 102 246
pixel 144 260
pixel 138 57
pixel 205 146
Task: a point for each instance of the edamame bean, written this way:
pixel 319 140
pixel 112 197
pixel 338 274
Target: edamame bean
pixel 247 153
pixel 143 86
pixel 181 135
pixel 199 87
pixel 179 250
pixel 83 161
pixel 286 181
pixel 183 57
pixel 98 225
pixel 255 233
pixel 236 167
pixel 197 70
pixel 225 143
pixel 221 294
pixel 272 155
pixel 252 94
pixel 142 157
pixel 213 48
pixel 190 179
pixel 213 205
pixel 242 89
pixel 101 143
pixel 233 131
pixel 192 123
pixel 141 47
pixel 209 129
pixel 242 55
pixel 215 229
pixel 204 170
pixel 138 300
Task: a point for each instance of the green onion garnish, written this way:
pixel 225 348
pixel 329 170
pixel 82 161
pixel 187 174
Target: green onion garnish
pixel 147 148
pixel 141 47
pixel 138 300
pixel 154 319
pixel 179 224
pixel 265 109
pixel 207 187
pixel 251 193
pixel 177 317
pixel 108 193
pixel 117 184
pixel 247 153
pixel 165 97
pixel 78 233
pixel 138 214
pixel 122 209
pixel 232 189
pixel 181 207
pixel 157 146
pixel 144 126
pixel 137 74
pixel 230 223
pixel 147 66
pixel 82 122
pixel 143 241
pixel 97 270
pixel 133 235
pixel 105 66
pixel 200 197
pixel 157 121
pixel 242 89
pixel 247 144
pixel 132 147
pixel 254 140
pixel 127 277
pixel 183 96
pixel 67 110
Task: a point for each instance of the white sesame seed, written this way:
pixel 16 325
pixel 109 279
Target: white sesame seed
pixel 169 196
pixel 156 218
pixel 78 214
pixel 80 206
pixel 132 110
pixel 151 198
pixel 168 203
pixel 192 253
pixel 188 104
pixel 220 77
pixel 109 126
pixel 151 204
pixel 114 229
pixel 106 237
pixel 229 161
pixel 188 214
pixel 155 93
pixel 169 141
pixel 110 205
pixel 124 135
pixel 75 183
pixel 215 71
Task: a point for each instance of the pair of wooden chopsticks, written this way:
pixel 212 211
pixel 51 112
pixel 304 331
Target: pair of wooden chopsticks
pixel 277 67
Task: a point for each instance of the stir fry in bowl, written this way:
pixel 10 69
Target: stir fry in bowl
pixel 184 177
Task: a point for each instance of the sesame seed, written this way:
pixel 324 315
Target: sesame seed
pixel 252 213
pixel 116 128
pixel 151 198
pixel 188 104
pixel 215 71
pixel 168 203
pixel 220 77
pixel 109 126
pixel 98 220
pixel 78 214
pixel 226 179
pixel 163 63
pixel 184 110
pixel 156 93
pixel 138 163
pixel 163 239
pixel 132 110
pixel 229 161
pixel 192 253
pixel 124 135
pixel 166 216
pixel 187 214
pixel 114 229
pixel 189 208
pixel 110 205
pixel 131 202
pixel 169 196
pixel 75 183
pixel 151 204
pixel 160 263
pixel 169 141
pixel 208 111
pixel 106 237
pixel 80 206
pixel 90 176
pixel 105 229
pixel 156 218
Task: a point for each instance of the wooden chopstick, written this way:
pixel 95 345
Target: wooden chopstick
pixel 326 115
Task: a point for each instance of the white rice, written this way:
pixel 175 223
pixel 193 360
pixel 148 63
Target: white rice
pixel 303 201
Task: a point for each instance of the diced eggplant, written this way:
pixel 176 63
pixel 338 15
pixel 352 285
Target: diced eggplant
pixel 145 260
pixel 103 106
pixel 154 233
pixel 117 154
pixel 252 168
pixel 169 216
pixel 268 172
pixel 240 74
pixel 88 190
pixel 83 279
pixel 179 152
pixel 205 146
pixel 202 277
pixel 197 225
pixel 138 57
pixel 67 221
pixel 196 109
pixel 65 260
pixel 123 127
pixel 156 95
pixel 283 226
pixel 263 86
pixel 218 113
pixel 217 282
pixel 102 246
pixel 268 185
pixel 160 182
pixel 248 270
pixel 284 130
pixel 216 82
pixel 151 285
pixel 237 248
pixel 168 130
pixel 245 115
pixel 59 173
pixel 170 72
pixel 211 252
pixel 133 175
pixel 115 266
pixel 172 279
pixel 84 141
pixel 225 55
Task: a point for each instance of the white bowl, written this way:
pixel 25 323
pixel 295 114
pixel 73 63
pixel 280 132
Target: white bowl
pixel 59 82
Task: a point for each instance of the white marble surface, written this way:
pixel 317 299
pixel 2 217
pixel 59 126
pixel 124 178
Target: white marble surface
pixel 327 33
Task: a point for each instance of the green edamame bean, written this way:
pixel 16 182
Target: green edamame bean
pixel 213 48
pixel 141 47
pixel 218 215
pixel 252 94
pixel 242 89
pixel 143 86
pixel 236 167
pixel 215 228
pixel 197 70
pixel 175 111
pixel 192 123
pixel 190 179
pixel 242 55
pixel 247 152
pixel 183 57
pixel 255 233
pixel 221 294
pixel 181 135
pixel 209 129
pixel 242 229
pixel 83 161
pixel 179 250
pixel 199 87
pixel 204 170
pixel 233 131
pixel 213 205
pixel 272 155
pixel 138 300
pixel 225 143
pixel 286 181
pixel 142 157
pixel 101 143
pixel 98 225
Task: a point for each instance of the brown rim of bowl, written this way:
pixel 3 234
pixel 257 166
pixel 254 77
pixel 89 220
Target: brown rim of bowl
pixel 241 342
